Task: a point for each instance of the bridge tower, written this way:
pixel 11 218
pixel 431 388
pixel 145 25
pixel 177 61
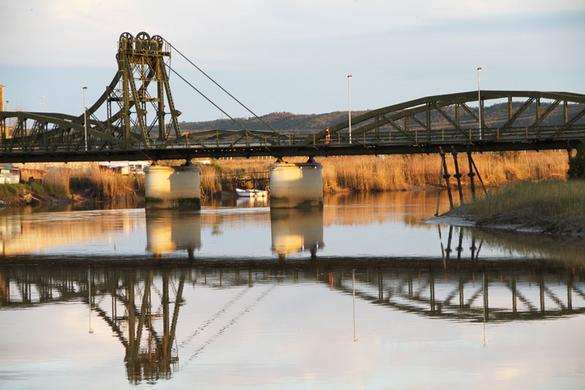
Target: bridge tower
pixel 143 93
pixel 143 86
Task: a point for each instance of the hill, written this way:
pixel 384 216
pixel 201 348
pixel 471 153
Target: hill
pixel 495 115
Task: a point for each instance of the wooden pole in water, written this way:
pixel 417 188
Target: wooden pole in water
pixel 439 196
pixel 471 174
pixel 458 177
pixel 478 176
pixel 446 176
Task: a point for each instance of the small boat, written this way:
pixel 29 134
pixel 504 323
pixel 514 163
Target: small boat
pixel 253 193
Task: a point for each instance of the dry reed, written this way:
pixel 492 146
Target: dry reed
pixel 57 182
pixel 400 173
pixel 548 199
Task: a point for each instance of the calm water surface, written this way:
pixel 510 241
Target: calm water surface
pixel 359 295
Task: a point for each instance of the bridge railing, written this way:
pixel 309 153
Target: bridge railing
pixel 233 140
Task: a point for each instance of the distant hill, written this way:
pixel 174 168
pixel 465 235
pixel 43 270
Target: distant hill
pixel 287 121
pixel 278 120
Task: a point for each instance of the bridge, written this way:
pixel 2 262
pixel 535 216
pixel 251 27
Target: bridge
pixel 136 119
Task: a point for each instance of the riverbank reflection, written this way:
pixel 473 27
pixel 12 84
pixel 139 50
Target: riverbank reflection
pixel 385 225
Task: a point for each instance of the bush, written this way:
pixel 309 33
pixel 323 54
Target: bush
pixel 577 164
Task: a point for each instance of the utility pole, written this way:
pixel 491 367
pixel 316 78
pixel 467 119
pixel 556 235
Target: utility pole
pixel 479 103
pixel 349 103
pixel 84 117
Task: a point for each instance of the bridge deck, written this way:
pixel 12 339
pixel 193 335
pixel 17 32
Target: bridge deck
pixel 282 145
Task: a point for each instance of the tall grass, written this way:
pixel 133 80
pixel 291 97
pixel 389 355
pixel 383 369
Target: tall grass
pixel 57 182
pixel 105 184
pixel 392 173
pixel 547 199
pixel 340 174
pixel 85 180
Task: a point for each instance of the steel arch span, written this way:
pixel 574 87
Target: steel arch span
pixel 139 121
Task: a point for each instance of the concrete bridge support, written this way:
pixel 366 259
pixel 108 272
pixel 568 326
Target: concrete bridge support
pixel 173 187
pixel 296 185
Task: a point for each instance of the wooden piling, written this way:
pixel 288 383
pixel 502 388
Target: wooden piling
pixel 471 174
pixel 446 176
pixel 458 177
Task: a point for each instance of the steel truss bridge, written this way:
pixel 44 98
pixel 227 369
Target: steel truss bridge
pixel 136 119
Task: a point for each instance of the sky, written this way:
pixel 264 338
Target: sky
pixel 294 55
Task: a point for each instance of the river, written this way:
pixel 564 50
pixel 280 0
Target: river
pixel 361 294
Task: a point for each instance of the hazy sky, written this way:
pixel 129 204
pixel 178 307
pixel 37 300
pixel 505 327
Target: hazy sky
pixel 295 55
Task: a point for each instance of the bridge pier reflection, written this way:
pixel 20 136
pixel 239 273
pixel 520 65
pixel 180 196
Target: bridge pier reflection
pixel 172 230
pixel 296 230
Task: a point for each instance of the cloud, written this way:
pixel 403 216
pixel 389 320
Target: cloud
pixel 84 32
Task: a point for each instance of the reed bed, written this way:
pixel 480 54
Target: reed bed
pixel 361 174
pixel 85 180
pixel 400 173
pixel 56 182
pixel 105 184
pixel 544 200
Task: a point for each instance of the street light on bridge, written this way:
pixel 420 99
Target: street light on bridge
pixel 479 69
pixel 349 103
pixel 83 89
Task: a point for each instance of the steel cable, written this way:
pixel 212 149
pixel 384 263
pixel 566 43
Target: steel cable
pixel 219 86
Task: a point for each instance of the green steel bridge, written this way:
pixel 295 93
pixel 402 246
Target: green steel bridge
pixel 136 119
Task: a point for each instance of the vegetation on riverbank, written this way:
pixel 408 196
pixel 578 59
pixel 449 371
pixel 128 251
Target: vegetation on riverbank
pixel 555 207
pixel 394 173
pixel 73 182
pixel 363 174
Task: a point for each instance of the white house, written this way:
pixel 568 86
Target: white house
pixel 126 167
pixel 9 174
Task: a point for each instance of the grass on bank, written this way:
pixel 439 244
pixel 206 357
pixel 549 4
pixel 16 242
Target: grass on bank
pixel 397 173
pixel 86 180
pixel 551 200
pixel 361 174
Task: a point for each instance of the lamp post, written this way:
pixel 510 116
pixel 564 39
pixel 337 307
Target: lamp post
pixel 83 90
pixel 479 103
pixel 349 103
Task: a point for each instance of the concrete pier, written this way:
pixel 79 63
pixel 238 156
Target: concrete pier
pixel 173 187
pixel 296 185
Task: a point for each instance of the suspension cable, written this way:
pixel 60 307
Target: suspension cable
pixel 219 86
pixel 240 125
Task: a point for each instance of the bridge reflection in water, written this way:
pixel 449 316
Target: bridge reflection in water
pixel 143 306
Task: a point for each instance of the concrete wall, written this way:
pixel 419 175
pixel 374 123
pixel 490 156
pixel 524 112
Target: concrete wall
pixel 296 185
pixel 173 187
